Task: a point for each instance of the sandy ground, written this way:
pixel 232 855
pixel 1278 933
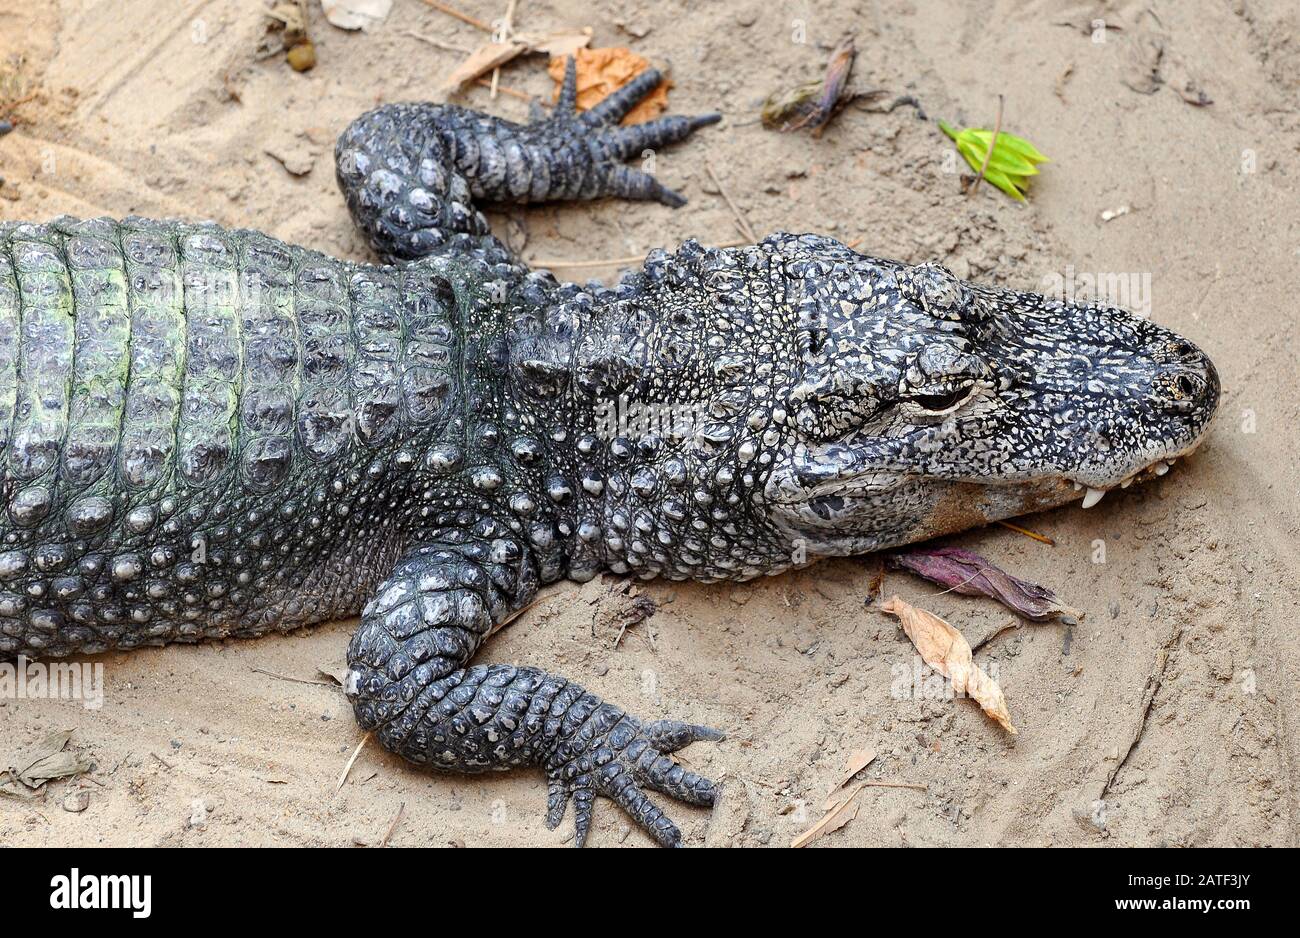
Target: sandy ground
pixel 1175 702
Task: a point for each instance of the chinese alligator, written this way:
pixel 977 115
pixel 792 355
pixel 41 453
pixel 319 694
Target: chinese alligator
pixel 208 433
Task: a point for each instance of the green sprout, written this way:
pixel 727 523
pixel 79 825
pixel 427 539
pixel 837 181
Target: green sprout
pixel 1013 161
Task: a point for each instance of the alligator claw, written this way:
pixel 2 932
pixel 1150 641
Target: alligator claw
pixel 612 143
pixel 618 765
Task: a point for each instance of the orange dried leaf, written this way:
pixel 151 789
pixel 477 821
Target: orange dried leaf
pixel 601 72
pixel 946 650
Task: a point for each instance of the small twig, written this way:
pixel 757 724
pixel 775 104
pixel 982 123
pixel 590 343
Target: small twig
pixel 741 222
pixel 507 27
pixel 957 586
pixel 1027 533
pixel 513 92
pixel 295 680
pixel 997 129
pixel 437 43
pixel 513 616
pixel 614 261
pixel 910 785
pixel 348 768
pixel 401 808
pixel 162 760
pixel 854 243
pixel 463 17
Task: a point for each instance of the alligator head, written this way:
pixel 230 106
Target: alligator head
pixel 925 404
pixel 837 404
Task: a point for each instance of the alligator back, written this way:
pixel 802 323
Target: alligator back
pixel 191 420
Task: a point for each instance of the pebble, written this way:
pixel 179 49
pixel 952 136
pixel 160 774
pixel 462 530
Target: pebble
pixel 5 127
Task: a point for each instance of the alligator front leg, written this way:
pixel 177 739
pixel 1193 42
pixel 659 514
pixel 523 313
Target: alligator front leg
pixel 415 175
pixel 408 682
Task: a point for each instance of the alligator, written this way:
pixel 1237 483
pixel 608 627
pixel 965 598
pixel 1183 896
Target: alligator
pixel 207 433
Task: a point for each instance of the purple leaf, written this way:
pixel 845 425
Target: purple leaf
pixel 970 574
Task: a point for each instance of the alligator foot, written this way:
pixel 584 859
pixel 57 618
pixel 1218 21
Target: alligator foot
pixel 610 143
pixel 415 176
pixel 972 575
pixel 605 751
pixel 408 681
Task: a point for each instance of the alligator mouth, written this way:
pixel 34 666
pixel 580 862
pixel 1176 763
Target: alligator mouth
pixel 1092 494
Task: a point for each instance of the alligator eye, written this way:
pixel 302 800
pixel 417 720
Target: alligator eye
pixel 945 401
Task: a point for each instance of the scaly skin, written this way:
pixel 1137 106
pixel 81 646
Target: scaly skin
pixel 207 433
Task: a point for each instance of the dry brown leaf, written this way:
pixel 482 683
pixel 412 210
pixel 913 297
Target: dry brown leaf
pixel 859 759
pixel 486 57
pixel 601 72
pixel 492 55
pixel 561 42
pixel 46 760
pixel 840 809
pixel 946 650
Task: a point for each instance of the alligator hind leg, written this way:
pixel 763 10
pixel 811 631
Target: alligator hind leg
pixel 415 175
pixel 408 681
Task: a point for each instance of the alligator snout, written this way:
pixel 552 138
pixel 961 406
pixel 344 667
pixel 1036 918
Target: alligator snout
pixel 1189 385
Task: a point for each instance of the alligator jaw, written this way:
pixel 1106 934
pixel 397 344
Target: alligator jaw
pixel 1092 494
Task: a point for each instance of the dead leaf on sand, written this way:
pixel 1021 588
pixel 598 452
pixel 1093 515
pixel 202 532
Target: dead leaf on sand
pixel 490 55
pixel 841 807
pixel 859 759
pixel 946 650
pixel 42 761
pixel 601 72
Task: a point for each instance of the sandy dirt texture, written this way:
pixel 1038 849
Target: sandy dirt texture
pixel 1169 716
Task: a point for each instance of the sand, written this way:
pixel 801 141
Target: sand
pixel 1169 716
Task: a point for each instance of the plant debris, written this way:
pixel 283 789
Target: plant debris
pixel 30 768
pixel 1008 165
pixel 494 54
pixel 813 104
pixel 841 807
pixel 859 759
pixel 356 14
pixel 289 20
pixel 601 72
pixel 943 648
pixel 966 572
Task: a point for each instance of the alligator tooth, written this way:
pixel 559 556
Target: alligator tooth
pixel 1160 468
pixel 1126 483
pixel 1078 486
pixel 1093 496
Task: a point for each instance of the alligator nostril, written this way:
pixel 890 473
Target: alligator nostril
pixel 1191 387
